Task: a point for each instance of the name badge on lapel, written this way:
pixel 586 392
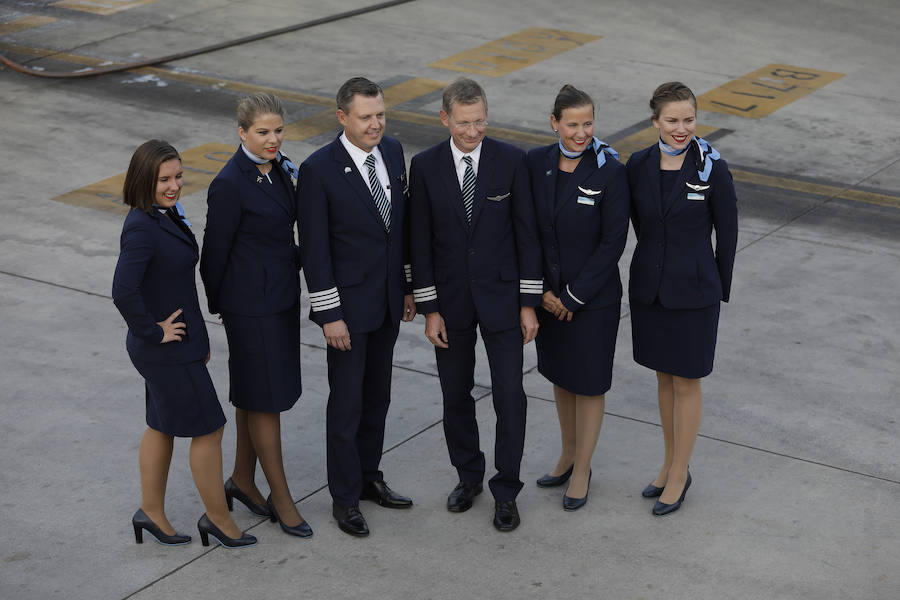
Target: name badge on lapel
pixel 695 196
pixel 586 201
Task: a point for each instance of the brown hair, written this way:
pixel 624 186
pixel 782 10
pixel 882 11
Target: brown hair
pixel 464 91
pixel 354 86
pixel 570 97
pixel 139 190
pixel 672 91
pixel 261 103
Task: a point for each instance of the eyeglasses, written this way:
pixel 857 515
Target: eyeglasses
pixel 465 125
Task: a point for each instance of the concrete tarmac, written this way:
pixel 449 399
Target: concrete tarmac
pixel 795 470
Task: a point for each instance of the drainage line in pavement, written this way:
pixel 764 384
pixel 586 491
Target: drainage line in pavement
pixel 90 71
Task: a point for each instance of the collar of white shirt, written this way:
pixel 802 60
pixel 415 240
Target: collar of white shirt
pixel 458 156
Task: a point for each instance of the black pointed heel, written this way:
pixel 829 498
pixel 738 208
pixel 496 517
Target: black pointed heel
pixel 302 530
pixel 208 528
pixel 233 491
pixel 651 491
pixel 554 480
pixel 571 504
pixel 140 521
pixel 660 508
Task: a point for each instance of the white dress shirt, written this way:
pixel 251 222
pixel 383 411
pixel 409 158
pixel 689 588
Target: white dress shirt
pixel 460 164
pixel 359 159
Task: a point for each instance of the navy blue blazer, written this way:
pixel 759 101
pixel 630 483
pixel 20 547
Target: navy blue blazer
pixel 154 278
pixel 250 262
pixel 674 258
pixel 354 267
pixel 583 227
pixel 495 262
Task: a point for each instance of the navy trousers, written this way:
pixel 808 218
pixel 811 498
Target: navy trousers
pixel 360 393
pixel 456 368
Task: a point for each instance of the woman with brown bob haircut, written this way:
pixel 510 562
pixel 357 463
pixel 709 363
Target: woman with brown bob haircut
pixel 154 289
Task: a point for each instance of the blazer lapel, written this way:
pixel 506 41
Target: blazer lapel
pixel 488 150
pixel 677 190
pixel 651 176
pixel 257 179
pixel 355 179
pixel 169 227
pixel 451 183
pixel 397 183
pixel 548 206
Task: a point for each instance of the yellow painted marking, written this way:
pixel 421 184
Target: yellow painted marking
pixel 514 52
pixel 27 22
pixel 101 7
pixel 410 90
pixel 764 91
pixel 820 189
pixel 200 166
pixel 645 137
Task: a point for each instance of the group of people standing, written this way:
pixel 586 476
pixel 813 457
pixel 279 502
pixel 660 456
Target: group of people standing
pixel 480 237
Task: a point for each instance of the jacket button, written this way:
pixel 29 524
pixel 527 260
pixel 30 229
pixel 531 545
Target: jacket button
pixel 471 251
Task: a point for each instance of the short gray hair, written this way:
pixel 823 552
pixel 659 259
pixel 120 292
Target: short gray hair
pixel 353 86
pixel 463 91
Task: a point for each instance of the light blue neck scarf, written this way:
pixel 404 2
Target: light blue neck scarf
pixel 706 152
pixel 280 159
pixel 598 147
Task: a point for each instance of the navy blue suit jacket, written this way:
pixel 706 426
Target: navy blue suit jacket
pixel 494 262
pixel 354 267
pixel 583 227
pixel 154 278
pixel 250 261
pixel 674 257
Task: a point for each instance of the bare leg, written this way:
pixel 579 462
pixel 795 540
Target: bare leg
pixel 588 421
pixel 687 414
pixel 206 467
pixel 154 457
pixel 565 410
pixel 265 431
pixel 244 473
pixel 666 397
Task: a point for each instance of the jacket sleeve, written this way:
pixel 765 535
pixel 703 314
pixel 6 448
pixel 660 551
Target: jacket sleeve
pixel 223 218
pixel 604 260
pixel 424 290
pixel 407 256
pixel 528 245
pixel 136 252
pixel 725 221
pixel 315 247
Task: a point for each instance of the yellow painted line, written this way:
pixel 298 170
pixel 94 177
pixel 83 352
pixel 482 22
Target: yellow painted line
pixel 26 22
pixel 410 90
pixel 765 90
pixel 101 7
pixel 514 52
pixel 200 165
pixel 645 137
pixel 820 189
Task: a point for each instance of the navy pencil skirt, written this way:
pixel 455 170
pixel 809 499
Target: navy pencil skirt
pixel 680 342
pixel 264 360
pixel 181 399
pixel 578 355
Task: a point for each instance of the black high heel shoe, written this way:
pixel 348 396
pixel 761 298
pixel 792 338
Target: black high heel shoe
pixel 233 491
pixel 651 491
pixel 140 521
pixel 571 504
pixel 549 480
pixel 301 530
pixel 208 528
pixel 660 509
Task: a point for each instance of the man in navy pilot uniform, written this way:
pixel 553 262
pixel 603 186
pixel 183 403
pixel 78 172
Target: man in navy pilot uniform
pixel 476 261
pixel 352 203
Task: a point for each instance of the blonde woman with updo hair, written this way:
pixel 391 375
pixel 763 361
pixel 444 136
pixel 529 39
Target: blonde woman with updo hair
pixel 250 267
pixel 681 191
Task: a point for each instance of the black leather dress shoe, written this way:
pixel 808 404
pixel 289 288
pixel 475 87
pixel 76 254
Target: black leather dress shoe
pixel 460 499
pixel 378 491
pixel 141 522
pixel 651 491
pixel 506 515
pixel 571 504
pixel 301 530
pixel 549 480
pixel 233 492
pixel 350 520
pixel 660 509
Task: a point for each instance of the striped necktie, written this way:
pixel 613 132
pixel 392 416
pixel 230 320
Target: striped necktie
pixel 468 188
pixel 381 200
